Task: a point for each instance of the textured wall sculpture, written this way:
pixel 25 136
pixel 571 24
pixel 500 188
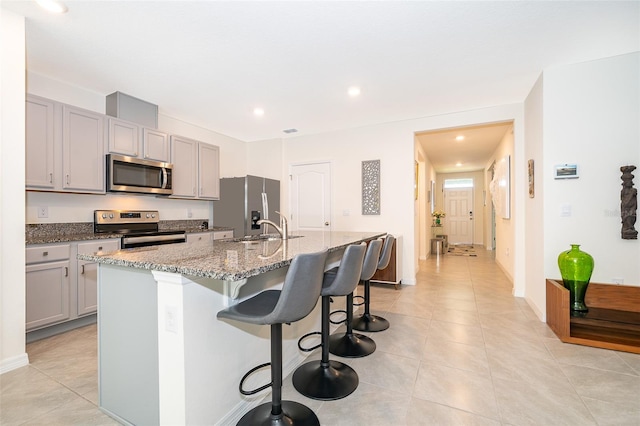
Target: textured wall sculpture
pixel 628 204
pixel 371 187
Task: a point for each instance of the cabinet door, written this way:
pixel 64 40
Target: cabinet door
pixel 47 293
pixel 209 171
pixel 87 287
pixel 40 143
pixel 184 156
pixel 88 275
pixel 155 145
pixel 124 137
pixel 82 150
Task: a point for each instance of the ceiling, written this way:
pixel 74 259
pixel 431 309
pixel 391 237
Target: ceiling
pixel 471 151
pixel 211 63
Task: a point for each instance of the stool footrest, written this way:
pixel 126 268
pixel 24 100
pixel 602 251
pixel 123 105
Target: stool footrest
pixel 341 311
pixel 313 333
pixel 250 372
pixel 359 303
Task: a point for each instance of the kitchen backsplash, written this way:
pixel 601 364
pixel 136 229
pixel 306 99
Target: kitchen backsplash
pixel 40 230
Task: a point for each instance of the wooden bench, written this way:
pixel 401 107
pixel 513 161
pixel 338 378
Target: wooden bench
pixel 613 320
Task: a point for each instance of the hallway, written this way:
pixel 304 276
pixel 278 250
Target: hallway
pixel 461 350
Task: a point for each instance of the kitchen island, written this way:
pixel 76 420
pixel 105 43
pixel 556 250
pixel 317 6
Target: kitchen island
pixel 164 357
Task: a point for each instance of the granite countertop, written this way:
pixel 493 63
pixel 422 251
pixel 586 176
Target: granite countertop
pixel 49 233
pixel 226 259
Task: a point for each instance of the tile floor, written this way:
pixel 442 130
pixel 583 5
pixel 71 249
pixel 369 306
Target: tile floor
pixel 460 351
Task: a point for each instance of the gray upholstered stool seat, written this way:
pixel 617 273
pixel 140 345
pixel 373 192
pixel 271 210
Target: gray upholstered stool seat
pixel 296 300
pixel 350 344
pixel 329 379
pixel 369 322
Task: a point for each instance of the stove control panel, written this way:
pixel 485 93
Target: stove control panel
pixel 125 216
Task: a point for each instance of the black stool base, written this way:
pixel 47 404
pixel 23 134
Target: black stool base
pixel 368 322
pixel 293 413
pixel 334 381
pixel 351 345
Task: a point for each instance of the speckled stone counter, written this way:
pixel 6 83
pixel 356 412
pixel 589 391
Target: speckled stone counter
pixel 164 356
pixel 229 260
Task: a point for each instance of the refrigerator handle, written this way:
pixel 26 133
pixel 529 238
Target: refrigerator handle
pixel 265 206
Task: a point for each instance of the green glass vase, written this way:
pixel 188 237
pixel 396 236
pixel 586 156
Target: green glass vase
pixel 576 267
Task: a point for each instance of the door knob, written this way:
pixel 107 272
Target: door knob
pixel 326 224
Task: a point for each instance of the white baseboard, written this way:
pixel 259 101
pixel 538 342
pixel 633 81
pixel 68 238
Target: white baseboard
pixel 10 364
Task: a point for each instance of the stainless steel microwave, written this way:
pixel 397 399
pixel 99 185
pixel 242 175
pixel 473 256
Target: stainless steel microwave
pixel 129 174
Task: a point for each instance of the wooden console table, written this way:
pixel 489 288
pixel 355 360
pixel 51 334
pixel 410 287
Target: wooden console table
pixel 613 320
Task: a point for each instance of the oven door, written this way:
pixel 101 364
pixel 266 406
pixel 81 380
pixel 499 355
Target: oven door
pixel 152 239
pixel 128 174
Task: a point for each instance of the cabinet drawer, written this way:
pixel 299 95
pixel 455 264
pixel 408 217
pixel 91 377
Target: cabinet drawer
pixel 47 253
pixel 199 236
pixel 221 235
pixel 96 246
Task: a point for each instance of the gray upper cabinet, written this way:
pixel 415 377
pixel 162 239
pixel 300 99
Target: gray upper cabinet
pixel 83 134
pixel 184 156
pixel 155 145
pixel 208 171
pixel 124 137
pixel 40 143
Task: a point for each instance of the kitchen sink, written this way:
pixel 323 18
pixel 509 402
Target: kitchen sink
pixel 268 237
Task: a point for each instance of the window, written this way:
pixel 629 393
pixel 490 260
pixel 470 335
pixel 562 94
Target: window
pixel 458 183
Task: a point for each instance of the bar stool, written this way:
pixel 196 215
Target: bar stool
pixel 369 322
pixel 350 345
pixel 326 379
pixel 298 297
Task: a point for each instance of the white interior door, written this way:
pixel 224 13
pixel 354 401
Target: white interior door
pixel 310 197
pixel 459 220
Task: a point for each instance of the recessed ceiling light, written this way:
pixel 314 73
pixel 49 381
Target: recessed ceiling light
pixel 460 138
pixel 353 91
pixel 258 112
pixel 52 6
pixel 458 164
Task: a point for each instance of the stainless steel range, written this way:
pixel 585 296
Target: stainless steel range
pixel 139 227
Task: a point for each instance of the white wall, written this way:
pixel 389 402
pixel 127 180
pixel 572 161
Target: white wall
pixel 12 156
pixel 506 228
pixel 535 293
pixel 591 113
pixel 393 144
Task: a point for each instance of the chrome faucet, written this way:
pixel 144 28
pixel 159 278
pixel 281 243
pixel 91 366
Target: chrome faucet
pixel 283 229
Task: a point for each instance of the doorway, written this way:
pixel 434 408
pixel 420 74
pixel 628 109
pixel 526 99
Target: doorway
pixel 458 201
pixel 310 197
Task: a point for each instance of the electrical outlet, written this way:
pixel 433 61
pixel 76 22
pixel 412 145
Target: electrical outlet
pixel 618 280
pixel 171 318
pixel 43 212
pixel 346 212
pixel 189 213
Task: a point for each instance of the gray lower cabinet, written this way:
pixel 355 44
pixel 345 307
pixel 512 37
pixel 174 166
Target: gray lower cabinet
pixel 87 275
pixel 60 288
pixel 47 285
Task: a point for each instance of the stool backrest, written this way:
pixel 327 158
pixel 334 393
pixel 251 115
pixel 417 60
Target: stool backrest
pixel 301 288
pixel 346 279
pixel 370 264
pixel 386 251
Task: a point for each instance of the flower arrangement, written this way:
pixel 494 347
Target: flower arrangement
pixel 438 214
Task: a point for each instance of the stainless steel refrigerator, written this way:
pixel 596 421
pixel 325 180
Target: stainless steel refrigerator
pixel 244 201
